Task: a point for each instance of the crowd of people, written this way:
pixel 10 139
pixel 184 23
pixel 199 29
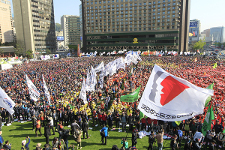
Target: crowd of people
pixel 64 79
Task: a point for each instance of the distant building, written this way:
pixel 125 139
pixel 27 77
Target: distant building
pixel 194 30
pixel 35 25
pixel 8 51
pixel 71 29
pixel 218 34
pixel 114 24
pixel 6 21
pixel 59 40
pixel 81 26
pixel 206 32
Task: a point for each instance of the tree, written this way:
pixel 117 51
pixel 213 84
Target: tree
pixel 1 51
pixel 19 50
pixel 29 54
pixel 48 51
pixel 57 27
pixel 199 45
pixel 73 48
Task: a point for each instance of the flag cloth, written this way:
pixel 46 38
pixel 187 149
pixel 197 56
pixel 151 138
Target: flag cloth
pixel 141 115
pixel 6 102
pixel 215 65
pixel 83 95
pixel 224 130
pixel 34 94
pixel 178 122
pixel 47 94
pixel 99 67
pixel 208 120
pixel 131 97
pixel 209 98
pixel 170 98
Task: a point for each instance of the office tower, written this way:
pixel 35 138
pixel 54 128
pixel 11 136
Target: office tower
pixel 218 34
pixel 114 24
pixel 6 33
pixel 35 25
pixel 71 29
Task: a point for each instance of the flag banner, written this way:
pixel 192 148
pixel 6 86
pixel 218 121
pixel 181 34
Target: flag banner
pixel 101 78
pixel 215 65
pixel 208 120
pixel 47 94
pixel 107 68
pixel 113 68
pixel 6 102
pixel 120 63
pixel 83 95
pixel 178 122
pixel 34 94
pixel 141 115
pixel 209 98
pixel 133 97
pixel 99 67
pixel 170 98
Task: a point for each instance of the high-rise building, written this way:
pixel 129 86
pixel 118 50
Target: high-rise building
pixel 218 34
pixel 35 25
pixel 71 29
pixel 114 24
pixel 6 21
pixel 81 25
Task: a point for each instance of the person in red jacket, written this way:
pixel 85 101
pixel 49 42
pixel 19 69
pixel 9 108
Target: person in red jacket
pixel 104 118
pixel 149 122
pixel 143 126
pixel 100 118
pixel 94 116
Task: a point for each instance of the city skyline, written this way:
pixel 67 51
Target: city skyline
pixel 210 14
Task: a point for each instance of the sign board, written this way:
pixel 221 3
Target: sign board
pixel 193 24
pixel 135 40
pixel 60 38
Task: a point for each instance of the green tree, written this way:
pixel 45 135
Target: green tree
pixel 73 48
pixel 19 50
pixel 1 51
pixel 29 54
pixel 48 51
pixel 199 45
pixel 57 27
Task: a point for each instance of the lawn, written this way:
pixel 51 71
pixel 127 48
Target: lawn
pixel 18 132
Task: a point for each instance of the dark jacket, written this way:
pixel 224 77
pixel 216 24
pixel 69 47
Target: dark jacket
pixel 47 131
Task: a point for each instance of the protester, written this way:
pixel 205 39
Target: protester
pixel 104 134
pixel 151 140
pixel 64 78
pixel 159 138
pixel 7 145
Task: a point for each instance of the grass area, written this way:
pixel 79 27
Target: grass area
pixel 18 132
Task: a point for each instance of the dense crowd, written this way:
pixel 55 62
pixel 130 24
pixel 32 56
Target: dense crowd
pixel 64 79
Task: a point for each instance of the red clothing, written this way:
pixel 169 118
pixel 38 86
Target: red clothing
pixel 104 117
pixel 99 116
pixel 149 120
pixel 143 120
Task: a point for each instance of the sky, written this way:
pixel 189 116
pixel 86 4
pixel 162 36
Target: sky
pixel 210 13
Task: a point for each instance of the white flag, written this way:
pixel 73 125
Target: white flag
pixel 99 67
pixel 120 63
pixel 83 92
pixel 6 102
pixel 170 98
pixel 101 78
pixel 47 94
pixel 34 94
pixel 108 68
